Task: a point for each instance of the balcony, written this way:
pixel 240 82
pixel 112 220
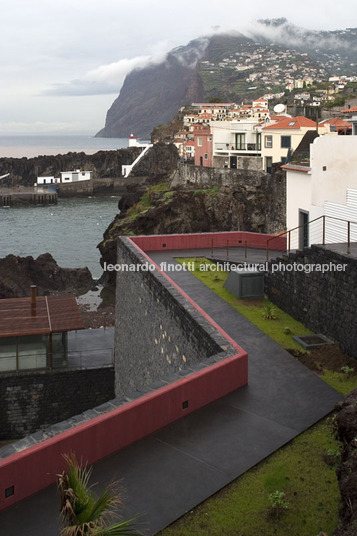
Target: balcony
pixel 242 148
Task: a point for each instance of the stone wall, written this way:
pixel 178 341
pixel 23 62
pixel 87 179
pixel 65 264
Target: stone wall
pixel 248 163
pixel 206 177
pixel 324 302
pixel 157 333
pixel 33 400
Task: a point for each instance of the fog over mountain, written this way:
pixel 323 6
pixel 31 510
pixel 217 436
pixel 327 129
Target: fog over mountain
pixel 153 93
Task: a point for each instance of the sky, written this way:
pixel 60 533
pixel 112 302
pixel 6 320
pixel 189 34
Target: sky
pixel 62 63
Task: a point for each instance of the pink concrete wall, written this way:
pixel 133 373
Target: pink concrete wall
pixel 36 468
pixel 208 240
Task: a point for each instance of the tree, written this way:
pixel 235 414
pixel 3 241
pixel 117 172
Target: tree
pixel 82 512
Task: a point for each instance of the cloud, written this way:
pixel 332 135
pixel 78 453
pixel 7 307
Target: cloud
pixel 108 79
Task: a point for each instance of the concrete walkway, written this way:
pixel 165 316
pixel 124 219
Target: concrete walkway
pixel 171 471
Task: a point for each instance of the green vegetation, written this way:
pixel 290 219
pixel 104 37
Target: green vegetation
pixel 244 508
pixel 82 512
pixel 294 491
pixel 209 191
pixel 281 329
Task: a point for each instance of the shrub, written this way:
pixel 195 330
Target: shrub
pixel 269 311
pixel 277 503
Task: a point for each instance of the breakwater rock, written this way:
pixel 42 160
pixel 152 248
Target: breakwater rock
pixel 19 273
pixel 158 162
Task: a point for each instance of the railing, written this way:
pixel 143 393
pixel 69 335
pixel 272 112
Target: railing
pixel 322 230
pixel 41 360
pixel 226 147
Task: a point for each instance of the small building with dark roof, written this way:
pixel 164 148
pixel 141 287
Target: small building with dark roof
pixel 33 331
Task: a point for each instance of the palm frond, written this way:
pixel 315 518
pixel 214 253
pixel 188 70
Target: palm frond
pixel 82 513
pixel 122 528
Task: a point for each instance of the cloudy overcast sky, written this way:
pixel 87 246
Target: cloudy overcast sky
pixel 62 63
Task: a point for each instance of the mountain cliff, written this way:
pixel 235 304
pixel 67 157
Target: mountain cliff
pixel 154 94
pixel 228 67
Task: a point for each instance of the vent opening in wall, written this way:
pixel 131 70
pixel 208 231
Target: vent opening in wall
pixel 185 404
pixel 164 245
pixel 9 491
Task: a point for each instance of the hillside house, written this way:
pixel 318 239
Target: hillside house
pixel 202 145
pixel 282 138
pixel 234 142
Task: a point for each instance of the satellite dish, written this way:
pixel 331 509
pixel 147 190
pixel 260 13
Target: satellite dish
pixel 279 108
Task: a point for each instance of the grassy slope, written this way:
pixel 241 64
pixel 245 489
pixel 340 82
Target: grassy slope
pixel 300 469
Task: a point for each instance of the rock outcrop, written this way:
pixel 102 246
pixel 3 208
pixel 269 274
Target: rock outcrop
pixel 24 171
pixel 19 273
pixel 158 162
pixel 346 421
pixel 256 205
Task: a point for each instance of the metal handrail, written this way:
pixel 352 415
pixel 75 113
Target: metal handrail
pixel 323 218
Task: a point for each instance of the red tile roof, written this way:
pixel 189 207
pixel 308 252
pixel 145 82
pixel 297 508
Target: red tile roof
pixel 293 167
pixel 337 122
pixel 292 123
pixel 349 110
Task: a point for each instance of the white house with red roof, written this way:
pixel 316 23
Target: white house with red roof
pixel 282 137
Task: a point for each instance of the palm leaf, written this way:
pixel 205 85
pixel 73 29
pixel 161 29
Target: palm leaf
pixel 82 513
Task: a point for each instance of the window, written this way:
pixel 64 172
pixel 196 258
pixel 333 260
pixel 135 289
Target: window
pixel 268 163
pixel 259 141
pixel 268 142
pixel 199 142
pixel 240 142
pixel 285 142
pixel 206 156
pixel 292 123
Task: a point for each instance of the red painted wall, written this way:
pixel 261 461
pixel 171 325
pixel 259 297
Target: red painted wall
pixel 203 145
pixel 35 468
pixel 208 240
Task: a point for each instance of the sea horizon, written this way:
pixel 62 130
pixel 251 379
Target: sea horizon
pixel 32 145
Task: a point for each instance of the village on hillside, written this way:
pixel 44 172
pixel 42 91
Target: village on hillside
pixel 250 136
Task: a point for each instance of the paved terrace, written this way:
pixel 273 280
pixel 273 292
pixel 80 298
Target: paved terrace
pixel 168 473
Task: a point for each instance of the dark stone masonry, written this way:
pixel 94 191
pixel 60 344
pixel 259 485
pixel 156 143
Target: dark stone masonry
pixel 170 335
pixel 34 400
pixel 325 302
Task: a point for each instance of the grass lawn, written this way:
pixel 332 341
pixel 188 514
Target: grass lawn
pixel 304 469
pixel 281 330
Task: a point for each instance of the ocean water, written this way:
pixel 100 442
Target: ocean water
pixel 30 146
pixel 70 231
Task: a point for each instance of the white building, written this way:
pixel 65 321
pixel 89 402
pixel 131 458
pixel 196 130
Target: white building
pixel 234 141
pixel 133 142
pixel 327 188
pixel 66 177
pixel 75 176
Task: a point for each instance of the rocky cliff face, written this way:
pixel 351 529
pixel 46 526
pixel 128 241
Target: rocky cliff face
pixel 19 273
pixel 346 421
pixel 153 95
pixel 256 205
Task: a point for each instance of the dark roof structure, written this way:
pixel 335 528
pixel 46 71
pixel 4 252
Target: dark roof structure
pixel 302 151
pixel 50 314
